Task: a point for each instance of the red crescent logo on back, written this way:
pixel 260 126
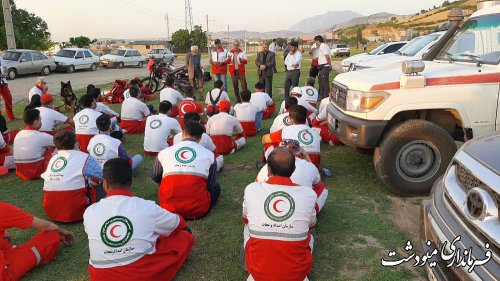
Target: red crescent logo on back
pixel 275 206
pixel 112 231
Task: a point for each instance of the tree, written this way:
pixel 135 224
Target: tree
pixel 181 39
pixel 30 30
pixel 198 37
pixel 81 41
pixel 280 41
pixel 359 35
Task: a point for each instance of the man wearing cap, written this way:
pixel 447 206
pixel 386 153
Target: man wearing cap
pixel 51 118
pixel 171 95
pixel 297 93
pixel 5 91
pixel 283 120
pixel 278 215
pixel 226 131
pixel 187 174
pixel 17 260
pixel 218 57
pixel 159 129
pixel 237 59
pixel 134 113
pixel 263 101
pixel 32 149
pixel 293 62
pixel 249 115
pixel 266 65
pixel 69 179
pixel 309 93
pixel 131 238
pixel 39 89
pixel 85 122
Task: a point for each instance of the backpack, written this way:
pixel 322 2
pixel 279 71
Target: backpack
pixel 213 108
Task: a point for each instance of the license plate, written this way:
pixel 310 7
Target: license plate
pixel 431 275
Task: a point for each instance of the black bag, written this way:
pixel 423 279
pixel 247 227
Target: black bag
pixel 207 76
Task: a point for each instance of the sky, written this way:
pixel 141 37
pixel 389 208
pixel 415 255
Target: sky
pixel 129 19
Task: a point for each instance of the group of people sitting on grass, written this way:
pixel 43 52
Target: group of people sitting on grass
pixel 87 175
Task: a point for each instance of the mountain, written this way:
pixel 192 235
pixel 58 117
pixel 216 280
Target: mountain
pixel 241 34
pixel 375 18
pixel 322 22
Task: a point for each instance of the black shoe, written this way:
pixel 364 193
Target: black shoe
pixel 327 173
pixel 259 165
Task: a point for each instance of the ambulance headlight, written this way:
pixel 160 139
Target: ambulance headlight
pixel 359 101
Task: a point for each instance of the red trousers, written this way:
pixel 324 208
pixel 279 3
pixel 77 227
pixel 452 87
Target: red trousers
pixel 84 141
pixel 7 98
pixel 41 249
pixel 269 111
pixel 33 171
pixel 10 136
pixel 133 126
pixel 171 252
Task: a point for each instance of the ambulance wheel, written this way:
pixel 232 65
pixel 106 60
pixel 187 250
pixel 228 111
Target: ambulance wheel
pixel 412 156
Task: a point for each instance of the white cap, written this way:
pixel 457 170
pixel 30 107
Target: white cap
pixel 296 90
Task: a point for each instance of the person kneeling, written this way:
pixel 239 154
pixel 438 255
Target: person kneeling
pixel 226 131
pixel 131 238
pixel 188 175
pixel 67 184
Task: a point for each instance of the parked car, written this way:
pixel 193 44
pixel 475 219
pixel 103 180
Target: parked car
pixel 387 48
pixel 71 59
pixel 414 50
pixel 123 57
pixel 464 204
pixel 164 54
pixel 21 62
pixel 340 50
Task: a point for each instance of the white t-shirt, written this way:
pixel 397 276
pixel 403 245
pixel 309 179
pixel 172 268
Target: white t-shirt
pixel 104 147
pixel 223 124
pixel 308 138
pixel 322 114
pixel 30 146
pixel 246 112
pixel 302 102
pixel 68 175
pixel 292 59
pixel 272 47
pixel 126 94
pixel 309 94
pixel 134 109
pixel 315 51
pixel 102 108
pixel 205 141
pixel 158 129
pixel 85 122
pixel 280 122
pixel 34 91
pixel 215 93
pixel 261 100
pixel 50 118
pixel 171 95
pixel 324 50
pixel 305 174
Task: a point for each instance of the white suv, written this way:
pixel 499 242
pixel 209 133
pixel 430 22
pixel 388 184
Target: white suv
pixel 387 48
pixel 340 50
pixel 123 57
pixel 71 59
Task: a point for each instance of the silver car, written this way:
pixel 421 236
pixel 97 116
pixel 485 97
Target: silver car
pixel 27 62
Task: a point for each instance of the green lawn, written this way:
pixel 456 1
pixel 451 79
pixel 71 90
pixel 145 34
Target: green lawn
pixel 353 231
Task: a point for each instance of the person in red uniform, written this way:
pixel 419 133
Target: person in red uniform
pixel 247 114
pixel 146 241
pixel 6 158
pixel 187 174
pixel 189 105
pixel 17 260
pixel 236 59
pixel 8 135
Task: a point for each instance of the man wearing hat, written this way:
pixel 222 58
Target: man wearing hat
pixel 218 58
pixel 51 118
pixel 225 130
pixel 39 89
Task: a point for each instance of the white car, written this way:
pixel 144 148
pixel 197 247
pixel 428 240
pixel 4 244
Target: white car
pixel 387 48
pixel 340 50
pixel 414 50
pixel 71 59
pixel 123 57
pixel 164 54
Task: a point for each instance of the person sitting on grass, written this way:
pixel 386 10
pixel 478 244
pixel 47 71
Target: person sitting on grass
pixel 284 252
pixel 69 180
pixel 187 174
pixel 283 120
pixel 51 118
pixel 321 123
pixel 17 260
pixel 147 242
pixel 249 115
pixel 134 113
pixel 85 126
pixel 309 93
pixel 172 95
pixel 6 158
pixel 159 129
pixel 263 101
pixel 104 147
pixel 7 135
pixel 189 105
pixel 297 93
pixel 32 149
pixel 214 97
pixel 117 132
pixel 226 131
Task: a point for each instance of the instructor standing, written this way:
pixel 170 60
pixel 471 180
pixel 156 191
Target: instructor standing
pixel 324 66
pixel 293 62
pixel 236 60
pixel 266 63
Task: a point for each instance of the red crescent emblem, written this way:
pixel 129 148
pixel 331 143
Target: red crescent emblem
pixel 305 136
pixel 182 155
pixel 275 206
pixel 182 108
pixel 112 231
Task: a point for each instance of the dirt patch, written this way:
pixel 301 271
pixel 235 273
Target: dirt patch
pixel 405 213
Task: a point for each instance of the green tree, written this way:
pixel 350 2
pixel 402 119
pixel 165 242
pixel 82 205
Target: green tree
pixel 81 41
pixel 30 30
pixel 280 41
pixel 181 39
pixel 198 37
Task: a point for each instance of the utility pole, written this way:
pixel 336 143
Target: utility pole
pixel 9 25
pixel 168 26
pixel 188 14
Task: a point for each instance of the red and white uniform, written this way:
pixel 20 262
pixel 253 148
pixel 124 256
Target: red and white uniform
pixel 207 143
pixel 264 102
pixel 183 189
pixel 188 105
pixel 50 119
pixel 321 122
pixel 32 152
pixel 246 113
pixel 158 129
pixel 311 111
pixel 133 115
pixel 16 261
pixel 221 128
pixel 6 158
pixel 85 126
pixel 237 62
pixel 219 55
pixel 64 188
pixel 308 138
pixel 281 121
pixel 134 239
pixel 215 93
pixel 310 94
pixel 102 108
pixel 284 252
pixel 174 97
pixel 104 147
pixel 305 174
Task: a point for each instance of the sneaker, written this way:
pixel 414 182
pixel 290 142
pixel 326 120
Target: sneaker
pixel 259 165
pixel 325 172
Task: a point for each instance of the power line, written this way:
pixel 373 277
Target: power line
pixel 128 8
pixel 138 6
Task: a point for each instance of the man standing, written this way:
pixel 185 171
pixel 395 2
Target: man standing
pixel 218 58
pixel 5 91
pixel 131 238
pixel 293 62
pixel 272 46
pixel 195 72
pixel 314 52
pixel 236 60
pixel 266 63
pixel 284 252
pixel 324 66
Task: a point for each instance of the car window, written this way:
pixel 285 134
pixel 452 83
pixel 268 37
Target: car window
pixel 87 54
pixel 393 48
pixel 13 56
pixel 137 54
pixel 341 46
pixel 26 57
pixel 65 54
pixel 79 55
pixel 378 49
pixel 128 54
pixel 36 56
pixel 167 51
pixel 118 52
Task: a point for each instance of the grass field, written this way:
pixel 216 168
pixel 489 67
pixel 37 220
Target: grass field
pixel 354 230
